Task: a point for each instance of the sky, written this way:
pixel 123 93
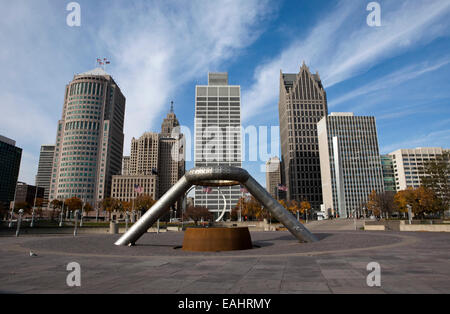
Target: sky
pixel 398 72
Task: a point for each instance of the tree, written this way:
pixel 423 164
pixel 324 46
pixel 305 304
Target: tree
pixel 73 204
pixel 373 204
pixel 109 205
pixel 305 206
pixel 293 207
pixel 386 202
pixel 143 202
pixel 87 208
pixel 196 213
pixel 56 204
pixel 422 201
pixel 437 174
pixel 23 205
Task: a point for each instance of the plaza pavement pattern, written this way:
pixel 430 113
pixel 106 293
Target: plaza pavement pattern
pixel 410 263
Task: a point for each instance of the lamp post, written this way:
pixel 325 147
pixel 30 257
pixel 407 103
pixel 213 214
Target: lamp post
pixel 19 221
pixel 76 223
pixel 126 220
pixel 61 218
pixel 10 218
pixel 34 208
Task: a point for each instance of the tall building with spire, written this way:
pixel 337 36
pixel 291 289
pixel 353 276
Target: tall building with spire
pixel 171 153
pixel 156 162
pixel 302 104
pixel 89 141
pixel 169 123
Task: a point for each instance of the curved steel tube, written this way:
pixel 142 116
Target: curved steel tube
pixel 198 176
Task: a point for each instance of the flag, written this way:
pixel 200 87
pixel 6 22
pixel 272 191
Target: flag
pixel 138 189
pixel 207 190
pixel 243 189
pixel 282 188
pixel 154 171
pixel 108 62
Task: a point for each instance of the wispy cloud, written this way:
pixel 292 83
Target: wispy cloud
pixel 155 47
pixel 159 47
pixel 439 138
pixel 393 79
pixel 341 45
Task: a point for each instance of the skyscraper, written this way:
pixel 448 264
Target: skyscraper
pixel 156 163
pixel 273 177
pixel 44 173
pixel 10 157
pixel 171 153
pixel 302 103
pixel 89 142
pixel 217 138
pixel 350 162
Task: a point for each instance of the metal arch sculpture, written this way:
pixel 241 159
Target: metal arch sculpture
pixel 215 176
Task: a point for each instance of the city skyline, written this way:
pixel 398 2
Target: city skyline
pixel 399 79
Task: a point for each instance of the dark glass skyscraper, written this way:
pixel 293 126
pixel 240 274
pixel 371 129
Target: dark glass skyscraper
pixel 302 103
pixel 10 157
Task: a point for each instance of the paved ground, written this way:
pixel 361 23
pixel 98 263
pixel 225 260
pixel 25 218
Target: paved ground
pixel 410 263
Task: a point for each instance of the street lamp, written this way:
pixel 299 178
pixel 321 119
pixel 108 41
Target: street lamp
pixel 76 223
pixel 10 218
pixel 19 221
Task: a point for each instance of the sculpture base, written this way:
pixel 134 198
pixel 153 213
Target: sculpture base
pixel 217 239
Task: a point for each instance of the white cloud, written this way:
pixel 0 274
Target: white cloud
pixel 158 48
pixel 439 138
pixel 391 80
pixel 341 45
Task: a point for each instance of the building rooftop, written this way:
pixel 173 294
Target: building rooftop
pixel 6 140
pixel 96 71
pixel 342 114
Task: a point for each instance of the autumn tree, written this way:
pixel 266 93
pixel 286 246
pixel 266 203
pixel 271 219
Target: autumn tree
pixel 422 200
pixel 73 204
pixel 305 207
pixel 373 204
pixel 436 179
pixel 87 208
pixel 143 202
pixel 196 213
pixel 56 204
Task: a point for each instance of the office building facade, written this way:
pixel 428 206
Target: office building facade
pixel 10 157
pixel 350 162
pixel 302 103
pixel 89 142
pixel 387 165
pixel 273 177
pixel 44 173
pixel 217 138
pixel 28 193
pixel 409 165
pixel 125 165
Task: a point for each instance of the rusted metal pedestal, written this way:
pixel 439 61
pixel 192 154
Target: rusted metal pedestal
pixel 216 239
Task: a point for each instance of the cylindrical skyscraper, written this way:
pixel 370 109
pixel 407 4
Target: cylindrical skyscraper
pixel 89 142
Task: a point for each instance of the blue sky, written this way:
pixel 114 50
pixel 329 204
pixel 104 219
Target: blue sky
pixel 159 50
